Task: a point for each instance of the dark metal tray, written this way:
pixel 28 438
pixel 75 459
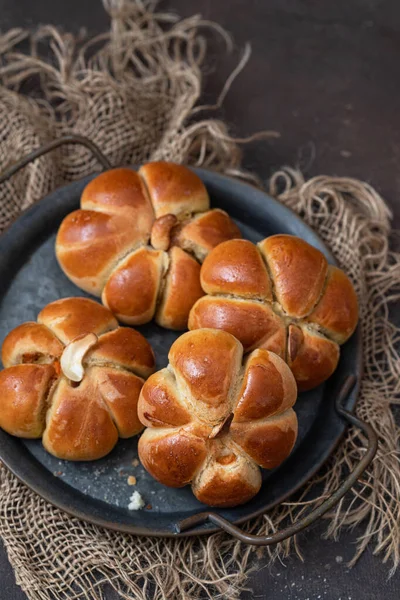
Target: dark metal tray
pixel 98 491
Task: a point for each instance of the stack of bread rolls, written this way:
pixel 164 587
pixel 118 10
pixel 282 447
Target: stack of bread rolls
pixel 73 378
pixel 76 379
pixel 138 241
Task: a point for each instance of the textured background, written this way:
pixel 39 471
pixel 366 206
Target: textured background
pixel 325 75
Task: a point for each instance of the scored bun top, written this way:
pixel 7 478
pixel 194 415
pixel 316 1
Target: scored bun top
pixel 174 189
pixel 118 245
pixel 73 378
pixel 212 420
pixel 281 295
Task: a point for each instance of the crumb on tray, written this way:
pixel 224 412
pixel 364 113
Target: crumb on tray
pixel 135 462
pixel 131 480
pixel 136 501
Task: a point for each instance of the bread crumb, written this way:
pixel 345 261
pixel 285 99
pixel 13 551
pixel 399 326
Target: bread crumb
pixel 136 501
pixel 149 507
pixel 135 462
pixel 131 480
pixel 339 559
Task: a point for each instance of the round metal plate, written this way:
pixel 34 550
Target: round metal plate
pixel 98 491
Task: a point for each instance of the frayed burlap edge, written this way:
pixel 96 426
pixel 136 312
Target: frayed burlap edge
pixel 135 92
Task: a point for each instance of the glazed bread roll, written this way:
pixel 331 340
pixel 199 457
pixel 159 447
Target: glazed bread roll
pixel 139 237
pixel 73 378
pixel 212 420
pixel 283 296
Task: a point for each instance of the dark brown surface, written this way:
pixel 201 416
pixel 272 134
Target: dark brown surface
pixel 326 76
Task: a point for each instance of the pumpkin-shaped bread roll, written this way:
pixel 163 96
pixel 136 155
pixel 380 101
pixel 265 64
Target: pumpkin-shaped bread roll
pixel 212 421
pixel 139 237
pixel 281 295
pixel 73 378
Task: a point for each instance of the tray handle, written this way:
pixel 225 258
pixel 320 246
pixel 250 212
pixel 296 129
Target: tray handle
pixel 67 139
pixel 306 521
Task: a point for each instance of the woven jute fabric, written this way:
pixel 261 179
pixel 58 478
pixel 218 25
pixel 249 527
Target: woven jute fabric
pixel 135 91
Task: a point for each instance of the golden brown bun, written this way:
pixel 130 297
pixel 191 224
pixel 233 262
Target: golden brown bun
pixel 132 289
pixel 172 456
pixel 174 189
pixel 89 244
pixel 160 404
pixel 120 391
pixel 121 244
pixel 205 231
pixel 312 357
pixel 254 324
pixel 181 290
pixel 212 420
pixel 79 425
pixel 237 268
pixel 82 420
pixel 23 395
pixel 337 311
pixel 278 435
pixel 282 296
pixel 205 366
pixel 69 318
pixel 125 348
pixel 298 272
pixel 264 392
pixel 120 192
pixel 25 342
pixel 229 478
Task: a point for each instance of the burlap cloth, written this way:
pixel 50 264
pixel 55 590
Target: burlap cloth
pixel 134 91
